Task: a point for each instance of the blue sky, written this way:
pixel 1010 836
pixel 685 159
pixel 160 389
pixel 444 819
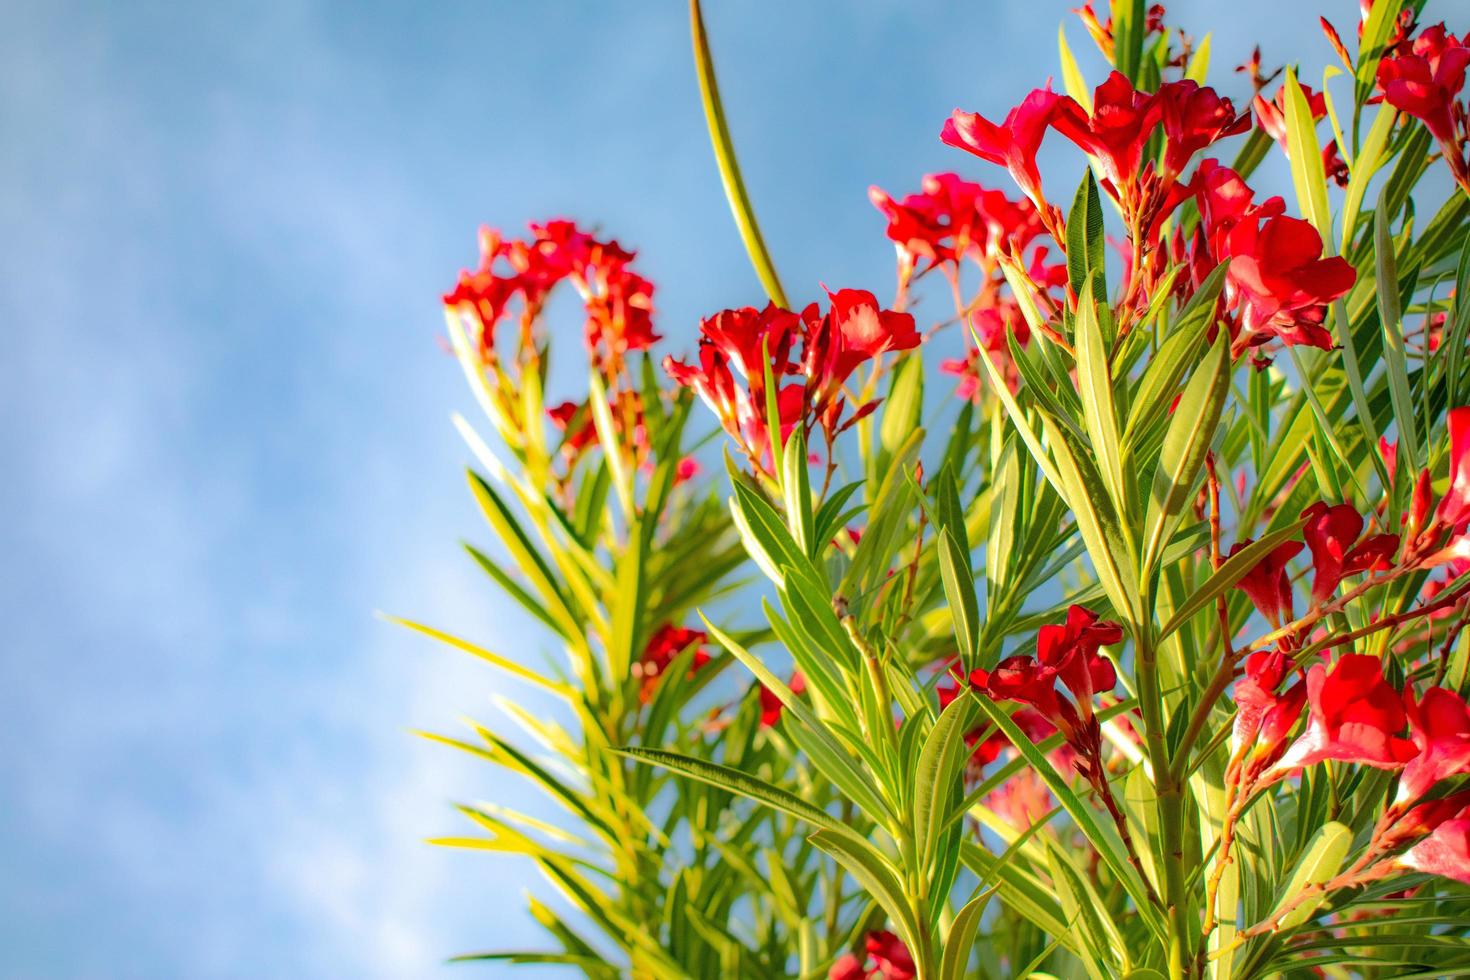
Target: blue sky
pixel 225 411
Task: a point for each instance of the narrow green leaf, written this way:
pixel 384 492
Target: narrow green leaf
pixel 1085 244
pixel 1103 837
pixel 937 775
pixel 959 590
pixel 1319 864
pixel 1072 79
pixel 1391 319
pixel 509 666
pixel 1186 443
pixel 1307 174
pixel 1231 571
pixel 1095 386
pixel 882 882
pixel 719 134
pixel 961 938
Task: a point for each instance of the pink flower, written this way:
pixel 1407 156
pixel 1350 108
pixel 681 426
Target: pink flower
pixel 885 958
pixel 1264 718
pixel 1013 144
pixel 1439 724
pixel 1445 852
pixel 1353 716
pixel 1454 507
pixel 1193 119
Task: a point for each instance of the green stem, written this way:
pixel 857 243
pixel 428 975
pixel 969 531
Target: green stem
pixel 1170 801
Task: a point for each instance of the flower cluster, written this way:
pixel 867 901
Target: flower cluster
pixel 810 356
pixel 618 301
pixel 667 643
pixel 884 958
pixel 1425 78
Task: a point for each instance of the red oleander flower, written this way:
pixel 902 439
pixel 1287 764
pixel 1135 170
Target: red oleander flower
pixel 1439 724
pixel 1071 649
pixel 1264 718
pixel 885 957
pixel 854 330
pixel 1278 285
pixel 1013 144
pixel 1426 81
pixel 1331 534
pixel 1194 118
pixel 1353 716
pixel 1445 852
pixel 1271 117
pixel 1115 133
pixel 1267 585
pixel 991 325
pixel 666 643
pixel 1282 282
pixel 952 218
pixel 1454 506
pixel 771 706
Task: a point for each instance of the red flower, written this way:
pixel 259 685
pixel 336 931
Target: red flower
pixel 1278 284
pixel 953 218
pixel 1439 723
pixel 1115 133
pixel 1445 852
pixel 1012 144
pixel 1267 585
pixel 1193 119
pixel 991 324
pixel 885 957
pixel 854 330
pixel 1330 533
pixel 1264 718
pixel 771 706
pixel 1454 507
pixel 667 642
pixel 1353 716
pixel 1281 281
pixel 1426 82
pixel 1072 650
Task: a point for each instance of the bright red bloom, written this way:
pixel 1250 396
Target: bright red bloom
pixel 1353 716
pixel 991 324
pixel 1454 507
pixel 771 706
pixel 1426 81
pixel 1115 133
pixel 1013 144
pixel 952 218
pixel 1445 852
pixel 1267 584
pixel 667 642
pixel 1264 718
pixel 1193 119
pixel 855 329
pixel 1021 678
pixel 1439 723
pixel 1278 285
pixel 1282 282
pixel 885 958
pixel 1331 534
pixel 1071 649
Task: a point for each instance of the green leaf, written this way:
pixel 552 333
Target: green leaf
pixel 607 435
pixel 796 485
pixel 1231 571
pixel 1395 357
pixel 959 590
pixel 1072 79
pixel 1186 443
pixel 882 882
pixel 903 408
pixel 1307 174
pixel 937 775
pixel 1364 166
pixel 1318 865
pixel 1128 31
pixel 961 938
pixel 1085 242
pixel 1178 351
pixel 1199 62
pixel 1104 838
pixel 1095 385
pixel 736 782
pixel 1377 29
pixel 719 134
pixel 509 666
